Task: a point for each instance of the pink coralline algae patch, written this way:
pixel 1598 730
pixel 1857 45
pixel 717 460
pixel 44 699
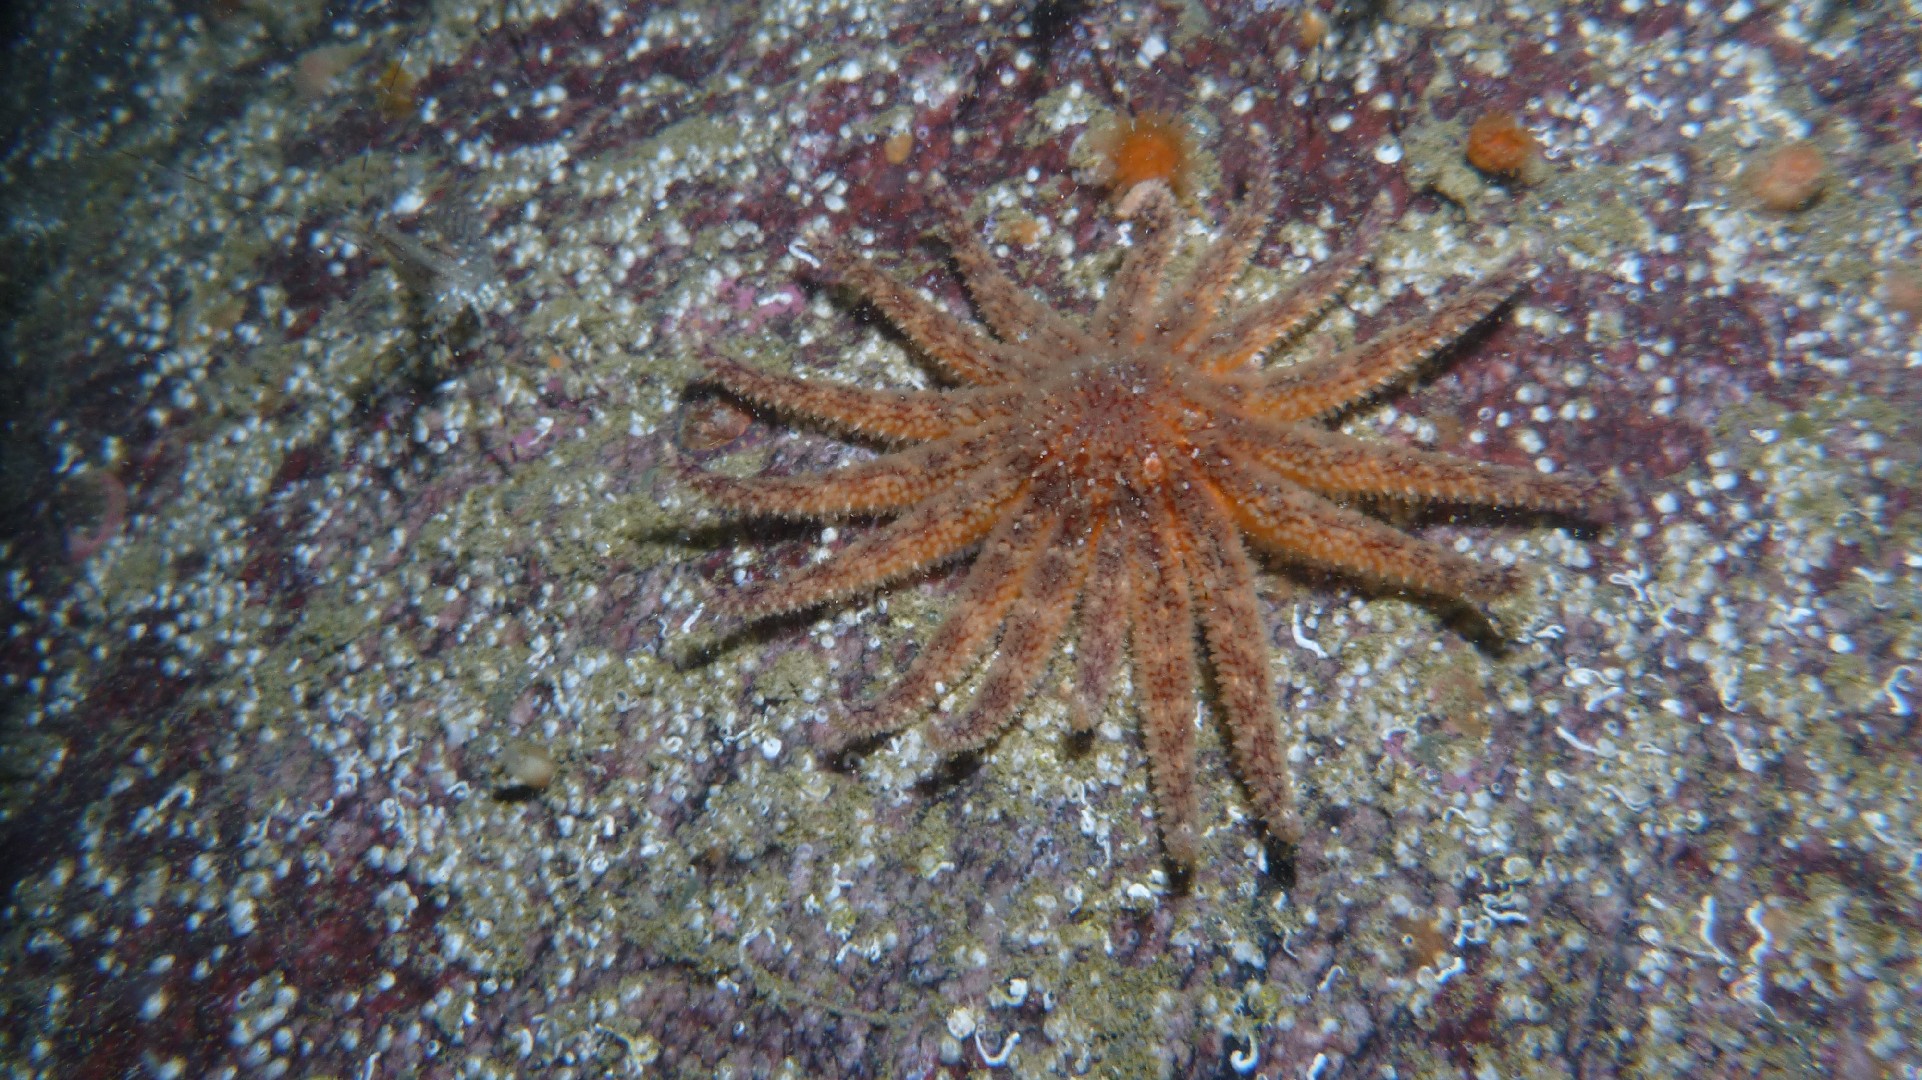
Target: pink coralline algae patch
pixel 739 308
pixel 85 541
pixel 305 549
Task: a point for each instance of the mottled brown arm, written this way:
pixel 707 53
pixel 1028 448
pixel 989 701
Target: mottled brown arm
pixel 1126 314
pixel 933 531
pixel 900 415
pixel 1028 640
pixel 1238 649
pixel 1295 522
pixel 1163 633
pixel 1104 627
pixel 994 582
pixel 887 483
pixel 1287 315
pixel 1332 463
pixel 956 348
pixel 1014 315
pixel 1189 311
pixel 1322 385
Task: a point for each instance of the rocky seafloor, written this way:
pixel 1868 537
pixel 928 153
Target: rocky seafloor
pixel 349 729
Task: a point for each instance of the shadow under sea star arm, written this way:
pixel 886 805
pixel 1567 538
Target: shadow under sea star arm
pixel 1015 316
pixel 1237 647
pixel 1332 463
pixel 957 349
pixel 1317 387
pixel 901 415
pixel 1126 314
pixel 1165 676
pixel 1029 640
pixel 993 584
pixel 890 482
pixel 932 532
pixel 1282 317
pixel 1298 523
pixel 1104 626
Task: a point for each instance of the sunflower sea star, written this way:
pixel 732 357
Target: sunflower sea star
pixel 1119 469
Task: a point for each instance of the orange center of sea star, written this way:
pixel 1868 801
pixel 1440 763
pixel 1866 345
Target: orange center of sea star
pixel 1100 429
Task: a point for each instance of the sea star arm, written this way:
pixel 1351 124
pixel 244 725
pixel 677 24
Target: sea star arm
pixel 890 482
pixel 1163 633
pixel 1318 387
pixel 992 586
pixel 955 347
pixel 1126 314
pixel 1028 641
pixel 1283 317
pixel 933 531
pixel 1296 522
pixel 902 415
pixel 1016 317
pixel 1332 463
pixel 1237 647
pixel 1104 627
pixel 1191 309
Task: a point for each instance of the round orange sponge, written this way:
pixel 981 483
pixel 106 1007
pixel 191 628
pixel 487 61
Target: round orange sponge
pixel 1499 146
pixel 1789 177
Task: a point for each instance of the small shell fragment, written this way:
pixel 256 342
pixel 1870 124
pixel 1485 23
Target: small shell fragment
pixel 526 765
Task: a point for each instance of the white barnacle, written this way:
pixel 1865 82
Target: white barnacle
pixel 1017 992
pixel 961 1022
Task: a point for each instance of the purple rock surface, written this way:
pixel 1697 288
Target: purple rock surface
pixel 356 721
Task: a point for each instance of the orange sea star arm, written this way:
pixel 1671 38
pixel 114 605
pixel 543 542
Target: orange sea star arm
pixel 890 482
pixel 901 415
pixel 1028 641
pixel 993 584
pixel 1317 387
pixel 956 348
pixel 1296 522
pixel 932 532
pixel 1237 647
pixel 1163 633
pixel 1332 463
pixel 1287 315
